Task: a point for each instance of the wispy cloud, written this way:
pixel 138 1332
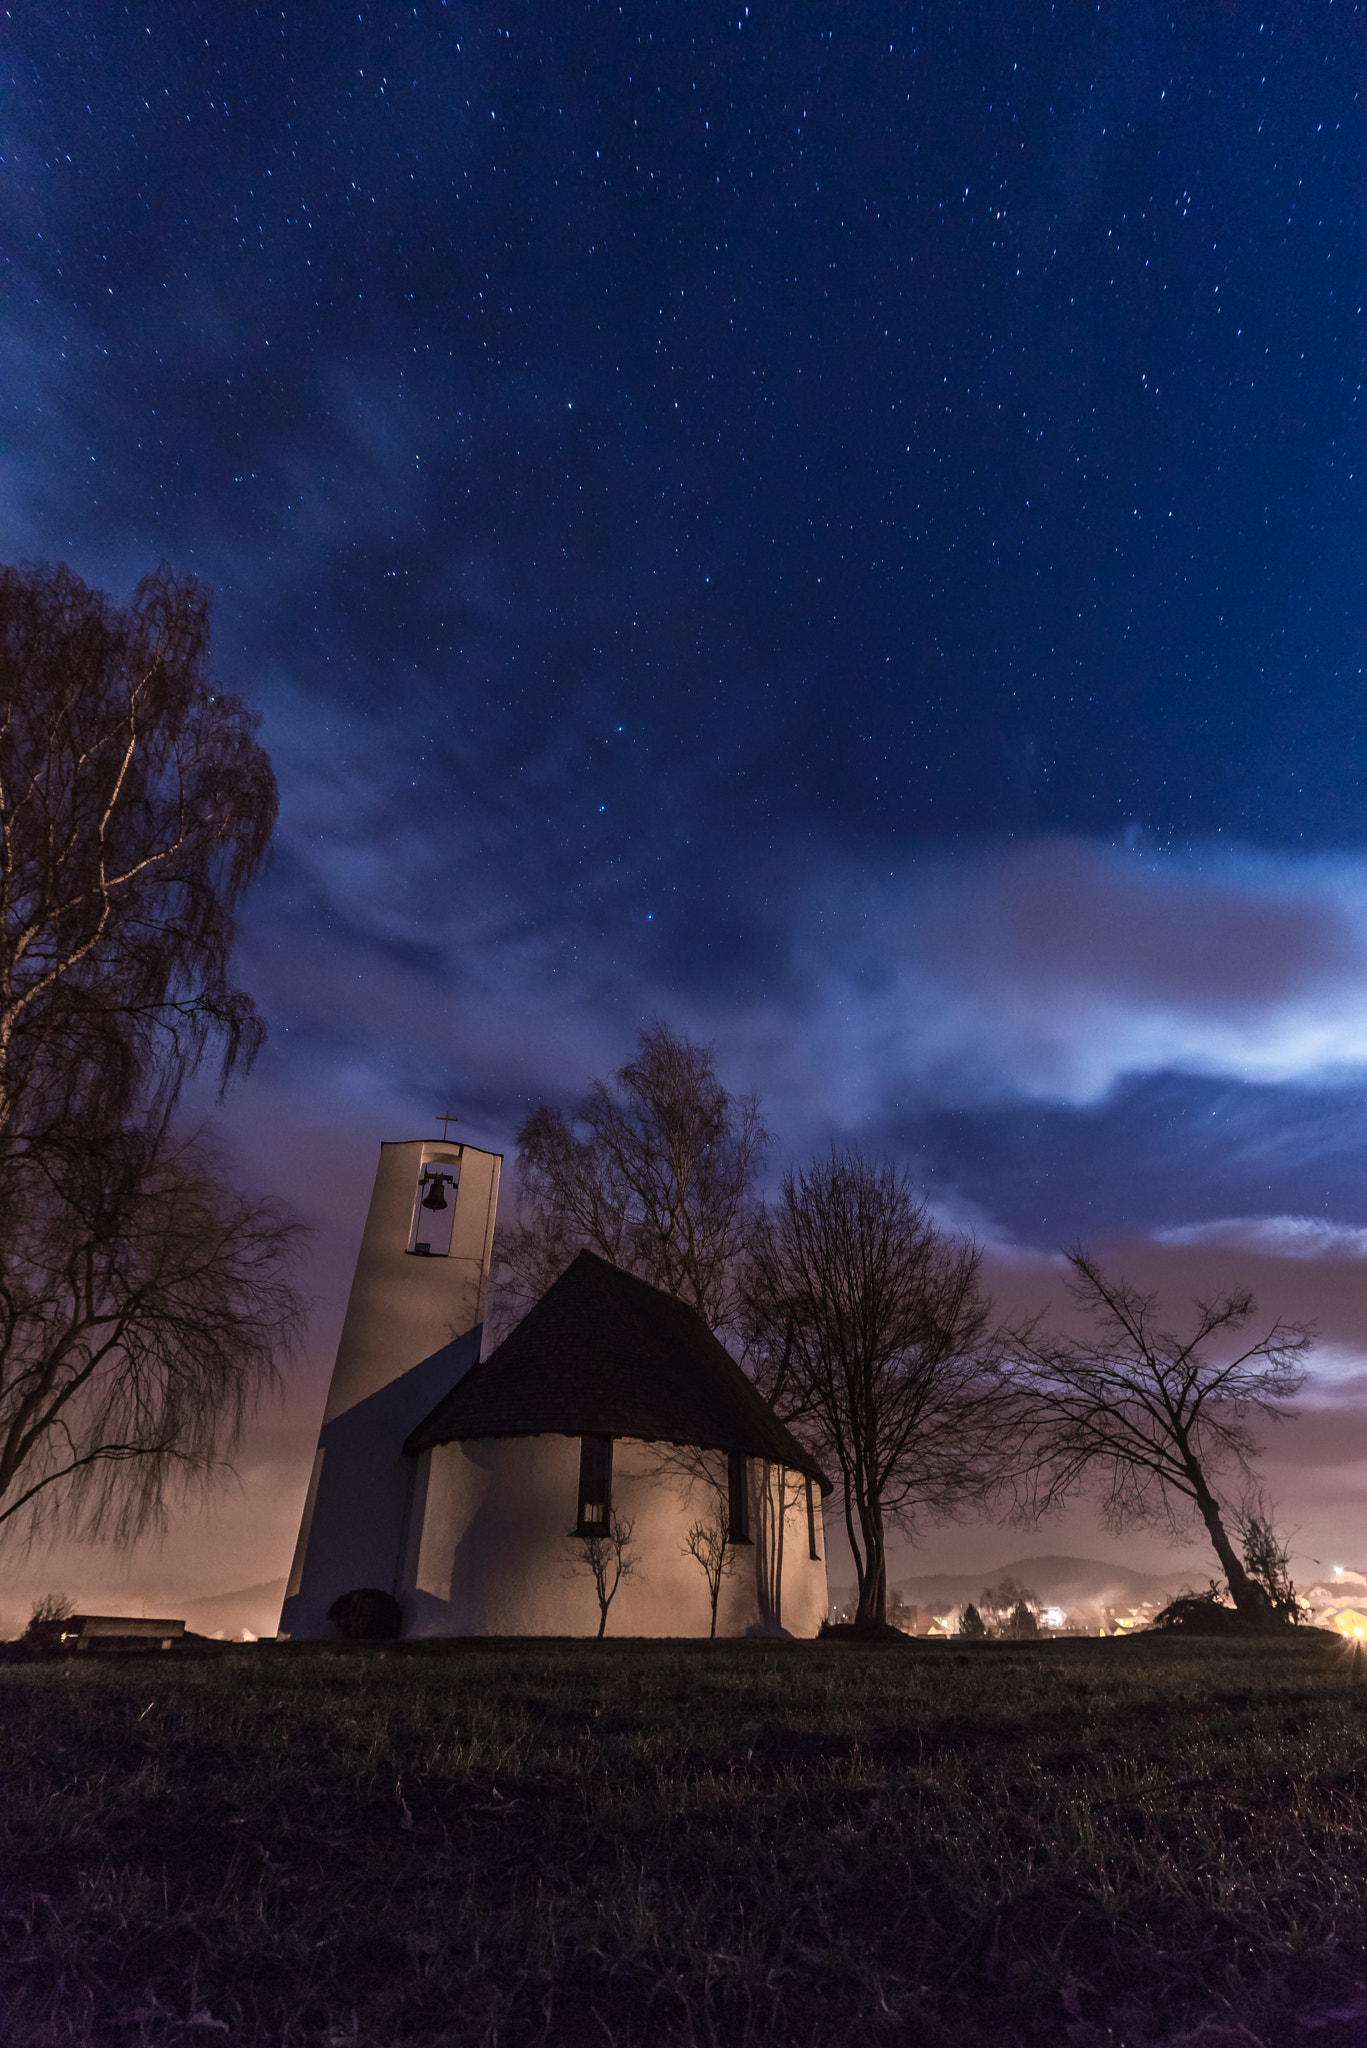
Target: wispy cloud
pixel 1049 972
pixel 1283 1237
pixel 1053 969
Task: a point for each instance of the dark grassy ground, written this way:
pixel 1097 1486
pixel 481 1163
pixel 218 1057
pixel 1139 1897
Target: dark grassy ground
pixel 1073 1843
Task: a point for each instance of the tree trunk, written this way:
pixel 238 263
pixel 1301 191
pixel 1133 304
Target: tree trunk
pixel 1249 1598
pixel 782 1477
pixel 855 1550
pixel 873 1586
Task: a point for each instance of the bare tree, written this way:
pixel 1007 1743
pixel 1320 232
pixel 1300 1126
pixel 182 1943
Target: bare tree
pixel 47 1609
pixel 1151 1419
pixel 703 1484
pixel 135 807
pixel 608 1559
pixel 709 1543
pixel 869 1329
pixel 661 1184
pixel 143 1303
pixel 144 1306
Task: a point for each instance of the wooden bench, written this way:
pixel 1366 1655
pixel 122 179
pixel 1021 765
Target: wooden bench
pixel 113 1631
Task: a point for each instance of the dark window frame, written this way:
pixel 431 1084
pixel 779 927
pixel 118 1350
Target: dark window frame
pixel 595 1485
pixel 738 1497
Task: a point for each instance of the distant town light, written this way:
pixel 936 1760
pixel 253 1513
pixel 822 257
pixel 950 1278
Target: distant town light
pixel 1053 1617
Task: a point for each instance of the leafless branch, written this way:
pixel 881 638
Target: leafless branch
pixel 135 807
pixel 1151 1420
pixel 608 1559
pixel 869 1329
pixel 661 1184
pixel 146 1308
pixel 144 1305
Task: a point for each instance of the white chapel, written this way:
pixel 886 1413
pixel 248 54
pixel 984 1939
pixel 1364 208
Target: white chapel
pixel 474 1491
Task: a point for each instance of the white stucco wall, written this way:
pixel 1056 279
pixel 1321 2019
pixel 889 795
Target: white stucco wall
pixel 412 1328
pixel 401 1308
pixel 490 1549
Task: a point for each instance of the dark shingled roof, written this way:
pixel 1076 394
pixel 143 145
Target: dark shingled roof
pixel 603 1353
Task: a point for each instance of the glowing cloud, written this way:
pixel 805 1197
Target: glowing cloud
pixel 1054 969
pixel 1282 1237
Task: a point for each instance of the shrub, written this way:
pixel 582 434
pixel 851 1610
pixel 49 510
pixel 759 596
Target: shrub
pixel 1205 1614
pixel 49 1609
pixel 367 1615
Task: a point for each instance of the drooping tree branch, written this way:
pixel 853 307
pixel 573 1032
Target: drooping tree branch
pixel 144 1304
pixel 135 807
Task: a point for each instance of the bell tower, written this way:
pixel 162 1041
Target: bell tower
pixel 413 1324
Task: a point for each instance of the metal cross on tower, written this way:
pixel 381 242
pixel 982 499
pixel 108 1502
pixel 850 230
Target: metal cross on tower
pixel 445 1119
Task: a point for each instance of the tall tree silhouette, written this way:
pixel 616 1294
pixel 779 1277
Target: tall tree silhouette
pixel 143 1303
pixel 660 1181
pixel 1151 1420
pixel 870 1331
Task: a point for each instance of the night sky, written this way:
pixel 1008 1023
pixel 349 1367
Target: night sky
pixel 841 527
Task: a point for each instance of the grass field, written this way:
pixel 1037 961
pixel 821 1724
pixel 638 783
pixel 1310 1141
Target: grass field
pixel 1074 1843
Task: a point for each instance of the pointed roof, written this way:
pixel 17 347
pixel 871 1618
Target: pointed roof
pixel 605 1354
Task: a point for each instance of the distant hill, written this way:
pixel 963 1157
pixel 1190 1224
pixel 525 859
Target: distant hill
pixel 1058 1581
pixel 253 1607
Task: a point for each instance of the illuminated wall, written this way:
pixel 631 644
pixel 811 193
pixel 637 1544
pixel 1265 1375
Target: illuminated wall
pixel 412 1328
pixel 491 1549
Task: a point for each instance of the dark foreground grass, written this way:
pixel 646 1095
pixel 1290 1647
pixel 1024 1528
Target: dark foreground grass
pixel 1073 1843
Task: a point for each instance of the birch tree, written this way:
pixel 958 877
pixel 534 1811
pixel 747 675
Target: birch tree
pixel 144 1304
pixel 135 808
pixel 654 1171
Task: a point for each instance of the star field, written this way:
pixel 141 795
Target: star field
pixel 681 482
